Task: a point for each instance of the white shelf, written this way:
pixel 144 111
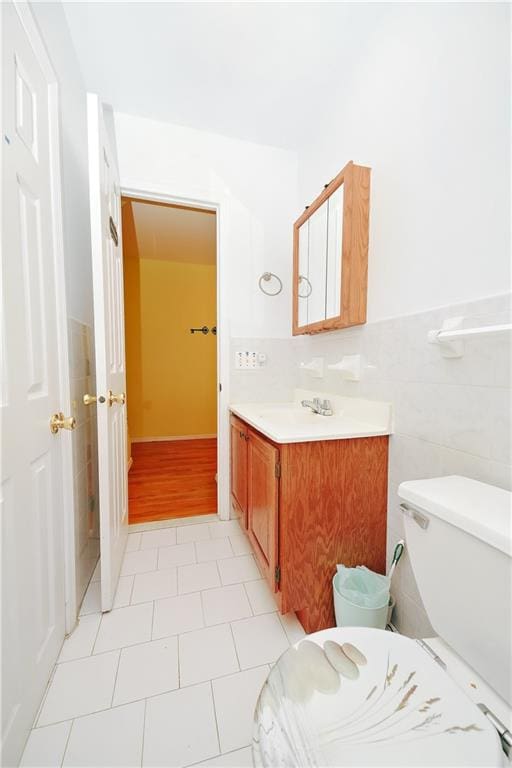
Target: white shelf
pixel 451 336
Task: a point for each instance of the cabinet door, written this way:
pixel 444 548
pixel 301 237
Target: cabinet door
pixel 262 503
pixel 239 435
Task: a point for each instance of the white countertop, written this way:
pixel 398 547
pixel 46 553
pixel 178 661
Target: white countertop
pixel 290 422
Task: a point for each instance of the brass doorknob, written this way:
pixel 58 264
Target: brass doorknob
pixel 120 399
pixel 59 421
pixel 89 399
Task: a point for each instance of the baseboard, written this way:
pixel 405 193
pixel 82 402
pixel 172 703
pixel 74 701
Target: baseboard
pixel 168 438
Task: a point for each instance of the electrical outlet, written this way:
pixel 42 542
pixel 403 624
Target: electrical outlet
pixel 246 361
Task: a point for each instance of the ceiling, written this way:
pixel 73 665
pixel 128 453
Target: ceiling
pixel 258 71
pixel 174 233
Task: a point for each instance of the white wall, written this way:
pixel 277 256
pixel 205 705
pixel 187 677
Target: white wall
pixel 257 189
pixel 426 104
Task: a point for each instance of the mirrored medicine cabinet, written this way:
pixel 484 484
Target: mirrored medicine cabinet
pixel 330 255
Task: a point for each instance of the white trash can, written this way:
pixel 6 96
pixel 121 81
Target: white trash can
pixel 349 614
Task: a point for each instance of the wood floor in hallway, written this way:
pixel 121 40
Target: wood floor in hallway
pixel 172 479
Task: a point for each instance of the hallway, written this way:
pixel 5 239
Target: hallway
pixel 172 479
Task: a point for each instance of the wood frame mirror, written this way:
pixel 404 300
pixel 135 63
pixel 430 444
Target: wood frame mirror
pixel 330 255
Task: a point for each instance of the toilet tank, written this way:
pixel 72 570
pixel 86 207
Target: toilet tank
pixel 458 534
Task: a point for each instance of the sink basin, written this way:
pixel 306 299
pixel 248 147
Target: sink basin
pixel 293 414
pixel 290 422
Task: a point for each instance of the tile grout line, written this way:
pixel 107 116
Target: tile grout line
pixel 176 522
pixel 178 661
pixel 215 717
pixel 132 590
pixel 221 583
pixel 97 633
pixel 115 678
pixel 202 613
pixel 156 695
pixel 196 560
pixel 248 598
pixel 143 733
pixel 152 620
pixel 235 647
pixel 67 742
pixel 44 697
pixel 221 754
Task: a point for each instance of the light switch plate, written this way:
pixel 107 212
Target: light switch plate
pixel 246 360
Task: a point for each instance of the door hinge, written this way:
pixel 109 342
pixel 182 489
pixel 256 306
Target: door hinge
pixel 503 732
pixel 277 574
pixel 220 387
pixel 277 470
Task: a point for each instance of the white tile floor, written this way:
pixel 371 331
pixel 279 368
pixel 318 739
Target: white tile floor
pixel 171 675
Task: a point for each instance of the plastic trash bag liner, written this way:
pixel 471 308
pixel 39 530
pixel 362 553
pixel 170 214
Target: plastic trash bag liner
pixel 363 587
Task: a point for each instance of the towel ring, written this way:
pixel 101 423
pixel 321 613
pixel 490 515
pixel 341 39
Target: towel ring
pixel 309 287
pixel 267 277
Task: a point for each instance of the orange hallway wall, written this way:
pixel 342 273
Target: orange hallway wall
pixel 171 374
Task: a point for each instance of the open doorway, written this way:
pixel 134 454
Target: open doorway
pixel 170 296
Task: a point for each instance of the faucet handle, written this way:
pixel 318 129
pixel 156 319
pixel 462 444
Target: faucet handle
pixel 316 401
pixel 326 404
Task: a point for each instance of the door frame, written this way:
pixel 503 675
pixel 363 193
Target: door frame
pixel 66 438
pixel 223 349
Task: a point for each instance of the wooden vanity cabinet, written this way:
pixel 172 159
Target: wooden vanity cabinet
pixel 310 506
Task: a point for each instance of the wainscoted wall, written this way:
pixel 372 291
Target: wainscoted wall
pixel 85 454
pixel 272 381
pixel 452 416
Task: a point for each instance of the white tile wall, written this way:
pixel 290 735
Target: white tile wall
pixel 452 416
pixel 85 454
pixel 274 380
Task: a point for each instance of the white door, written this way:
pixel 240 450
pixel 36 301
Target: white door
pixel 107 265
pixel 34 367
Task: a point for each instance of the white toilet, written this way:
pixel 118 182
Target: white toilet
pixel 365 697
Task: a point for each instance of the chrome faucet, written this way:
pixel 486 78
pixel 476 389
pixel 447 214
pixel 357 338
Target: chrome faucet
pixel 322 407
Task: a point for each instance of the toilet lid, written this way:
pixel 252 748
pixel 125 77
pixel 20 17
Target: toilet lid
pixel 379 701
